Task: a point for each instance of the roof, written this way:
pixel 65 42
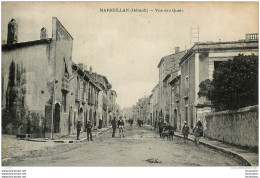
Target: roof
pixel 156 86
pixel 166 77
pixel 218 46
pixel 86 77
pixel 113 91
pixel 173 79
pixel 25 44
pixel 171 56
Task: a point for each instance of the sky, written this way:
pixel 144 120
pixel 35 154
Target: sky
pixel 127 46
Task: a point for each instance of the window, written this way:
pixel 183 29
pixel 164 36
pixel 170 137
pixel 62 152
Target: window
pixel 187 81
pixel 217 64
pixel 66 72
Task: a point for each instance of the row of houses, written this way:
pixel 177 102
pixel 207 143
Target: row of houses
pixel 175 98
pixel 44 92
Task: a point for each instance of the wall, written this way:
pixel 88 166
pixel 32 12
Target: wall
pixel 188 70
pixel 34 60
pixel 63 52
pixel 32 93
pixel 238 128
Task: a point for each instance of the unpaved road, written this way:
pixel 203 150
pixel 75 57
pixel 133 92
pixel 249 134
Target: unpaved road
pixel 138 145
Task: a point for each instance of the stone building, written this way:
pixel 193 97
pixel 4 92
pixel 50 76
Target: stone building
pixel 175 82
pixel 141 110
pixel 127 113
pixel 44 92
pixel 168 66
pixel 155 104
pixel 113 108
pixel 35 79
pixel 151 118
pixel 103 107
pixel 198 65
pixel 84 98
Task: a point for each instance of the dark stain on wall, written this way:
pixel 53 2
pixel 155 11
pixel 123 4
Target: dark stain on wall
pixel 14 113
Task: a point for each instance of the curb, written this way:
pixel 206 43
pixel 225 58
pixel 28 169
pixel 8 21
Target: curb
pixel 69 141
pixel 226 152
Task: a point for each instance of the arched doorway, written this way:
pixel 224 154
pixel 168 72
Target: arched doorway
pixel 56 118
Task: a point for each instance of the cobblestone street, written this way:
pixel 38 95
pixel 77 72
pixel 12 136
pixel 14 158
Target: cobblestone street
pixel 138 146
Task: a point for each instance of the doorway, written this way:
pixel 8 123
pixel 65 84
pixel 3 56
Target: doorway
pixel 56 121
pixel 175 118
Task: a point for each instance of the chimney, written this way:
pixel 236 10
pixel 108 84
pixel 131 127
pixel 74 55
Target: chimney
pixel 80 66
pixel 12 36
pixel 44 33
pixel 90 70
pixel 177 49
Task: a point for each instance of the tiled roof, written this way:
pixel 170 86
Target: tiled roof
pixel 171 56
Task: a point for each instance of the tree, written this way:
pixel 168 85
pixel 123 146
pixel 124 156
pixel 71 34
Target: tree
pixel 234 84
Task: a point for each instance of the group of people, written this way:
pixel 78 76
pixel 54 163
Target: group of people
pixel 88 128
pixel 118 124
pixel 165 127
pixel 197 130
pixel 140 122
pixel 131 121
pixel 115 124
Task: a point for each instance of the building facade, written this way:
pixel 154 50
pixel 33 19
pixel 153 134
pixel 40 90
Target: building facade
pixel 44 92
pixel 198 65
pixel 35 80
pixel 155 105
pixel 168 66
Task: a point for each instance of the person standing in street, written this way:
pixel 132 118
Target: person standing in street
pixel 78 129
pixel 200 126
pixel 89 131
pixel 113 123
pixel 160 125
pixel 120 125
pixel 197 131
pixel 185 131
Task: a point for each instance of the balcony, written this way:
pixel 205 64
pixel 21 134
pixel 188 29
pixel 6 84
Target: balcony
pixel 65 84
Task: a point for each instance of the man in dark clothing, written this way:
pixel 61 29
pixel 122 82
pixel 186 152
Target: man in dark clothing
pixel 132 121
pixel 78 129
pixel 160 125
pixel 199 123
pixel 120 125
pixel 113 123
pixel 89 127
pixel 185 131
pixel 100 123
